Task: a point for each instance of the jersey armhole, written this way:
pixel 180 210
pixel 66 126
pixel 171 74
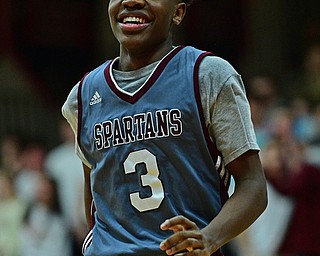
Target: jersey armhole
pixel 215 153
pixel 79 96
pixel 211 145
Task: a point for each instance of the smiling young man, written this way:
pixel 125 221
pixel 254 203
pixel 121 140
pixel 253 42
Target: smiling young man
pixel 160 129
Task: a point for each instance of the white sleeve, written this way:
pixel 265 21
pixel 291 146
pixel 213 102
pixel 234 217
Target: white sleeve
pixel 70 112
pixel 226 108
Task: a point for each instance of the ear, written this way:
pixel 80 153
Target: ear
pixel 180 12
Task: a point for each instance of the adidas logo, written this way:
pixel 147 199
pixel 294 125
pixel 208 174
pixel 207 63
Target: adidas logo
pixel 95 99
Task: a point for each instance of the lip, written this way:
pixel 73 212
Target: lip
pixel 133 27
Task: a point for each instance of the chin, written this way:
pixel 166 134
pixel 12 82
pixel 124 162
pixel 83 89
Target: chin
pixel 133 44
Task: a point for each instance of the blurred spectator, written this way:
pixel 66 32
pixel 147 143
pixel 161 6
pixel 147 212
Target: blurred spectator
pixel 31 159
pixel 288 134
pixel 264 237
pixel 65 167
pixel 313 149
pixel 12 210
pixel 267 233
pixel 311 78
pixel 10 153
pixel 281 125
pixel 304 125
pixel 44 232
pixel 316 115
pixel 293 177
pixel 263 98
pixel 306 83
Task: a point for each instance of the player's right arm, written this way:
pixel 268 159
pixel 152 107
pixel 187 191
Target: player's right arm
pixel 70 112
pixel 88 201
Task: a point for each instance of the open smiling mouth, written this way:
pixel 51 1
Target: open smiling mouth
pixel 134 20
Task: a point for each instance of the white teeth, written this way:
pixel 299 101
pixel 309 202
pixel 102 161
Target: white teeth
pixel 134 20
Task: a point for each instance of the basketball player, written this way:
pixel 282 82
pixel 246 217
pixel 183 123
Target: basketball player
pixel 160 129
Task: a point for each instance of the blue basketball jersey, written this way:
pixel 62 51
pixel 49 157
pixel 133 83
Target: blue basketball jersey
pixel 151 155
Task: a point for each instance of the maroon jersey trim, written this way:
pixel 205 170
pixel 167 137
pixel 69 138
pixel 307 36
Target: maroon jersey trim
pixel 151 80
pixel 210 144
pixel 79 96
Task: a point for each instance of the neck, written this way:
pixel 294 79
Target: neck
pixel 138 58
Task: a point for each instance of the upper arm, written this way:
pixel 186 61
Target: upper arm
pixel 249 176
pixel 70 112
pixel 226 108
pixel 70 108
pixel 247 166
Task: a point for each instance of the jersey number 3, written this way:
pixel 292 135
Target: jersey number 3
pixel 151 179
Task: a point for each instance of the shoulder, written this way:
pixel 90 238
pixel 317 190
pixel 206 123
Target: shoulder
pixel 217 74
pixel 70 106
pixel 217 68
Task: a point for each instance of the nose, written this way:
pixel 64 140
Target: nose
pixel 133 4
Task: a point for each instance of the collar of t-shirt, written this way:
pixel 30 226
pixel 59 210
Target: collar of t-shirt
pixel 131 81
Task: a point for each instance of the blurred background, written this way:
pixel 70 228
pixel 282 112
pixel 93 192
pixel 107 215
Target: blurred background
pixel 47 46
